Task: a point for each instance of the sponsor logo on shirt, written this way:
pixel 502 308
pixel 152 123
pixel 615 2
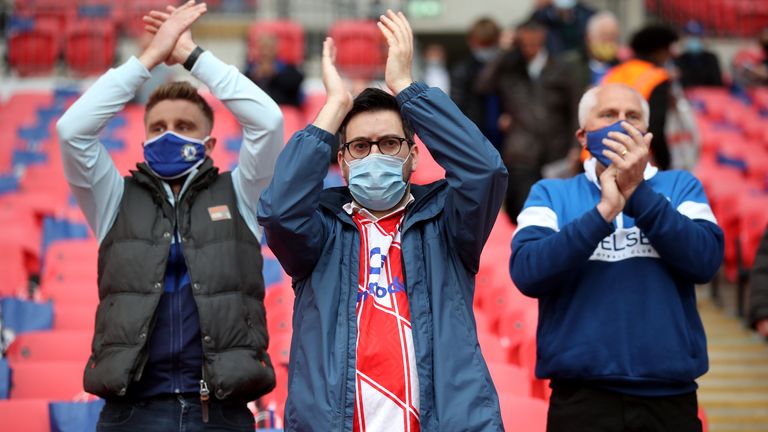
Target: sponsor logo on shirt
pixel 624 244
pixel 219 213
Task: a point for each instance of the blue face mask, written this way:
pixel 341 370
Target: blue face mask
pixel 694 45
pixel 595 144
pixel 376 181
pixel 171 155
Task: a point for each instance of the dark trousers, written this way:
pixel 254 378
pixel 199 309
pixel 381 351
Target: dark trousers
pixel 574 408
pixel 180 413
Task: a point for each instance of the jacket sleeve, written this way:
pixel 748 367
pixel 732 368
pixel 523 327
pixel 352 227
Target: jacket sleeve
pixel 687 238
pixel 758 284
pixel 544 257
pixel 262 124
pixel 476 176
pixel 289 208
pixel 95 181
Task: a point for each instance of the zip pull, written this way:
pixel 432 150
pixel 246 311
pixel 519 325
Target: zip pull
pixel 204 396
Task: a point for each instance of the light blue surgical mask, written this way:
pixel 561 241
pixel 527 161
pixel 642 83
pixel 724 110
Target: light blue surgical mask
pixel 171 155
pixel 565 4
pixel 376 181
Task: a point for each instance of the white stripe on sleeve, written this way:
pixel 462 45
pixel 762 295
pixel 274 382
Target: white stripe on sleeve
pixel 537 216
pixel 696 210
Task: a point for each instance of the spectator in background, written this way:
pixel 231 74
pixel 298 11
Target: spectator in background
pixel 280 80
pixel 589 65
pixel 752 68
pixel 566 23
pixel 613 256
pixel 697 65
pixel 482 109
pixel 435 72
pixel 646 73
pixel 758 289
pixel 180 339
pixel 383 270
pixel 537 95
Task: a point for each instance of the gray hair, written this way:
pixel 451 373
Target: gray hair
pixel 589 101
pixel 600 17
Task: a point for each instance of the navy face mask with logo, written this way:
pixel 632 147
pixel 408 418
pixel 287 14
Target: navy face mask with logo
pixel 595 144
pixel 171 155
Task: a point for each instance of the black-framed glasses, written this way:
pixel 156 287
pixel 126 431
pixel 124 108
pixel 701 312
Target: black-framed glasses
pixel 389 145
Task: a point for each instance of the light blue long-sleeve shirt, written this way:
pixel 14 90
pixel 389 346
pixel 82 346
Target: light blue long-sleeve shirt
pixel 97 184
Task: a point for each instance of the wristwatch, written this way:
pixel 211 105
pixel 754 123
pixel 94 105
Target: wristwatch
pixel 192 59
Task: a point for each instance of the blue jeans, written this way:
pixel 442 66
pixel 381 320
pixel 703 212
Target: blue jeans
pixel 182 413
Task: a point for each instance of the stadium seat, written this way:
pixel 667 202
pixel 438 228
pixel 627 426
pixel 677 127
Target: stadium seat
pixel 753 222
pixel 23 316
pixel 25 415
pixel 293 121
pixel 5 379
pixel 74 317
pixel 90 47
pixel 492 348
pixel 290 40
pixel 428 170
pixel 279 318
pixel 360 51
pixel 61 381
pixel 71 291
pixel 510 379
pixel 523 413
pixel 49 346
pixel 13 278
pixel 75 416
pixel 33 51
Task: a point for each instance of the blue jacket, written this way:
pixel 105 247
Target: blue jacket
pixel 617 305
pixel 443 233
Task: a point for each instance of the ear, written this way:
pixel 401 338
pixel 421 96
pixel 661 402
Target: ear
pixel 414 157
pixel 209 145
pixel 581 137
pixel 342 165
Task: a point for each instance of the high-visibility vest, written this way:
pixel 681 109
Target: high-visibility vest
pixel 641 75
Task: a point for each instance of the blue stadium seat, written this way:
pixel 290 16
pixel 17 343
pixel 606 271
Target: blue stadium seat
pixel 24 315
pixel 5 379
pixel 75 416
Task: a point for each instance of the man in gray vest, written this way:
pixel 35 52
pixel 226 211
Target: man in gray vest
pixel 180 340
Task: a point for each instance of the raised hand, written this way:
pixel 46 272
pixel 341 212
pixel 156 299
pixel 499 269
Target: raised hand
pixel 338 99
pixel 399 36
pixel 630 154
pixel 172 32
pixel 611 199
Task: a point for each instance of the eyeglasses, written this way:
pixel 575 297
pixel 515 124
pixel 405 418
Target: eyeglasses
pixel 361 148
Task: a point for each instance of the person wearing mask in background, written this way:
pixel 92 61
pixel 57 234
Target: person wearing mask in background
pixel 613 256
pixel 752 68
pixel 646 73
pixel 482 109
pixel 538 109
pixel 435 73
pixel 280 80
pixel 757 315
pixel 180 338
pixel 591 64
pixel 566 23
pixel 384 335
pixel 697 65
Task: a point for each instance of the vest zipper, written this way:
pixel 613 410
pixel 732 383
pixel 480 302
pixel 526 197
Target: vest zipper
pixel 204 396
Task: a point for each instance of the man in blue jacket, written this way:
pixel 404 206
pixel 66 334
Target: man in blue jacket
pixel 384 338
pixel 612 255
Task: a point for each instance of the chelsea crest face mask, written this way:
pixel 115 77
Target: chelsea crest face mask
pixel 171 155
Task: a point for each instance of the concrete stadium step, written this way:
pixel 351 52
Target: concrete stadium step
pixel 734 392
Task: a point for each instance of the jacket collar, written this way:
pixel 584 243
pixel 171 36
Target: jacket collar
pixel 422 208
pixel 204 176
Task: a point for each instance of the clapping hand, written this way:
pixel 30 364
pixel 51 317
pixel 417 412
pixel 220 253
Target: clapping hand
pixel 399 36
pixel 172 42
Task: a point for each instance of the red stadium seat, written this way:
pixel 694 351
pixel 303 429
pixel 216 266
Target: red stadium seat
pixel 13 278
pixel 293 120
pixel 50 346
pixel 62 381
pixel 510 379
pixel 74 317
pixel 428 170
pixel 753 222
pixel 90 47
pixel 279 318
pixel 83 292
pixel 523 414
pixel 133 11
pixel 360 48
pixel 290 40
pixel 25 415
pixel 33 51
pixel 312 104
pixel 492 349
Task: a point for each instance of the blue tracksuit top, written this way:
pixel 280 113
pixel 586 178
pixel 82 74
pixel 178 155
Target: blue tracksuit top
pixel 617 306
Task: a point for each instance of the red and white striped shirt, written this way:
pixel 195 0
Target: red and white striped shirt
pixel 387 385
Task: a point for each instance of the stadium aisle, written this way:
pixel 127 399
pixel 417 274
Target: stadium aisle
pixel 734 392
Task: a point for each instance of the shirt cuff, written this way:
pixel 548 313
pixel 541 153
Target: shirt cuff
pixel 594 226
pixel 642 199
pixel 411 91
pixel 321 134
pixel 208 68
pixel 132 74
